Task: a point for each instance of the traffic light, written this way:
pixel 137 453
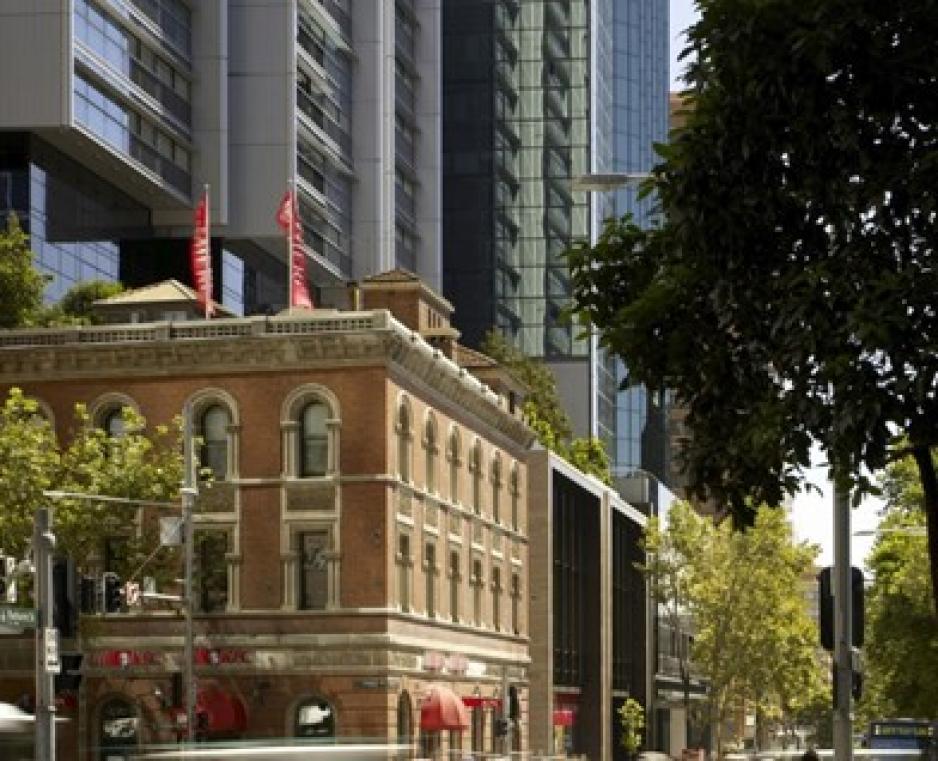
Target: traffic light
pixel 64 594
pixel 69 677
pixel 501 727
pixel 112 593
pixel 826 607
pixel 8 579
pixel 88 594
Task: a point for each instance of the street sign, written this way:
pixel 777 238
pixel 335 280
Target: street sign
pixel 18 618
pixel 132 593
pixel 50 649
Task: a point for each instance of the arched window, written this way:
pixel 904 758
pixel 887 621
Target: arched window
pixel 315 717
pixel 213 430
pixel 453 454
pixel 496 478
pixel 313 439
pixel 475 467
pixel 454 579
pixel 309 428
pixel 113 422
pixel 403 443
pixel 430 449
pixel 514 492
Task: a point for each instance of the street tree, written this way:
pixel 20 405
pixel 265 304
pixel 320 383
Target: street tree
pixel 901 652
pixel 76 306
pixel 21 285
pixel 544 411
pixel 786 293
pixel 753 643
pixel 137 464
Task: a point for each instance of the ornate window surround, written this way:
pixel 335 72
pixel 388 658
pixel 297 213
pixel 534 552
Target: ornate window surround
pixel 290 412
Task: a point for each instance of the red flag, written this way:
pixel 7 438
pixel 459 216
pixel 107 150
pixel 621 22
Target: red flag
pixel 288 218
pixel 200 255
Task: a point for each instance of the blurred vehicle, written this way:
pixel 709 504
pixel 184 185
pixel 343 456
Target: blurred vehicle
pixel 292 749
pixel 17 732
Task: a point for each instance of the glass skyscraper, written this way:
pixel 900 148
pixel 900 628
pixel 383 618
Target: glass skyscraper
pixel 535 94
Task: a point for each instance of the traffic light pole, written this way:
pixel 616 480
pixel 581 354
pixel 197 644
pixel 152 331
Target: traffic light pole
pixel 43 545
pixel 843 636
pixel 188 500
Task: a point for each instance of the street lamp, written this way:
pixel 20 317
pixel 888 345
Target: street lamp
pixel 907 530
pixel 593 183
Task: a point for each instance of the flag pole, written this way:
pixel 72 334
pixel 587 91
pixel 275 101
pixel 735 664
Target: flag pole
pixel 290 243
pixel 209 310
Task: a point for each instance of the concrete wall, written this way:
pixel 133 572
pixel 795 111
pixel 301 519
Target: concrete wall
pixel 35 64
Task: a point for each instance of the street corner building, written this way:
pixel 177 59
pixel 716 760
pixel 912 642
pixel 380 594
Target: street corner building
pixel 361 550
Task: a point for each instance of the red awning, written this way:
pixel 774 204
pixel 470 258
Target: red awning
pixel 477 701
pixel 443 710
pixel 564 717
pixel 218 713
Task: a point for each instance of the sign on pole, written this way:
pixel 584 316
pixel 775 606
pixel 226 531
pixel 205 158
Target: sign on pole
pixel 50 646
pixel 18 618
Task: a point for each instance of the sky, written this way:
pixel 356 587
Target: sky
pixel 812 513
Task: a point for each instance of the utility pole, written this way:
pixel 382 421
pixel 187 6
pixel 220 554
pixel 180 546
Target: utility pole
pixel 188 500
pixel 46 636
pixel 843 636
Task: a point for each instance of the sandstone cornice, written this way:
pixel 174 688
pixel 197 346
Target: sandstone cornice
pixel 320 339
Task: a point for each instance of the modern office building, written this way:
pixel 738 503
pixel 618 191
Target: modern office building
pixel 537 93
pixel 117 115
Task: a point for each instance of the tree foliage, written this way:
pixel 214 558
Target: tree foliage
pixel 632 722
pixel 902 640
pixel 76 306
pixel 544 411
pixel 21 285
pixel 754 642
pixel 787 292
pixel 139 464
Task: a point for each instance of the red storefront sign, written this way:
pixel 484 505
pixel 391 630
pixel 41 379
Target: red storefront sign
pixel 454 663
pixel 202 656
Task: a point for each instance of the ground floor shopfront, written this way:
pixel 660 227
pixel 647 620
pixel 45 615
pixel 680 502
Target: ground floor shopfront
pixel 442 703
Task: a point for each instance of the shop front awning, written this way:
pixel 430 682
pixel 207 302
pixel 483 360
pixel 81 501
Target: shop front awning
pixel 442 710
pixel 218 713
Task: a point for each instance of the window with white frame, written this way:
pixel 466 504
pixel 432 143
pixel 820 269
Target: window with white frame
pixel 514 493
pixel 515 603
pixel 497 597
pixel 430 451
pixel 455 577
pixel 404 436
pixel 313 550
pixel 475 469
pixel 453 454
pixel 313 439
pixel 309 429
pixel 213 423
pixel 477 583
pixel 429 566
pixel 404 565
pixel 496 479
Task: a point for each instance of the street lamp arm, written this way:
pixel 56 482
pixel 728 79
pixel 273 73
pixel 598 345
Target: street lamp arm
pixel 55 494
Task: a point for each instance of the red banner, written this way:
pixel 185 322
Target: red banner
pixel 200 255
pixel 288 217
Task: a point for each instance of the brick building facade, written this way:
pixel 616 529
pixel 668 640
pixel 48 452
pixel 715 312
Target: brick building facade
pixel 364 539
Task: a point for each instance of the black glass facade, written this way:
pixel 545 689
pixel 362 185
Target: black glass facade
pixel 515 130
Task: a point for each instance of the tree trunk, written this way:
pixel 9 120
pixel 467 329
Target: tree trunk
pixel 926 469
